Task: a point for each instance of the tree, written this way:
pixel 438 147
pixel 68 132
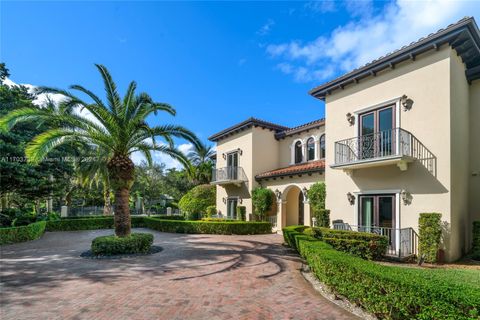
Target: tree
pixel 200 165
pixel 262 199
pixel 118 126
pixel 316 196
pixel 196 201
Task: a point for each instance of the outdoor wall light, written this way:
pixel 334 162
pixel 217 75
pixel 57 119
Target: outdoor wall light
pixel 351 198
pixel 406 197
pixel 278 194
pixel 305 193
pixel 224 200
pixel 350 119
pixel 406 102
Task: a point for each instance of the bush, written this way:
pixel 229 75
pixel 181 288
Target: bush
pixel 365 245
pixel 323 217
pixel 165 217
pixel 219 220
pixel 211 211
pixel 196 201
pixel 316 196
pixel 390 292
pixel 262 199
pixel 111 245
pixel 241 213
pixel 476 240
pixel 24 233
pixel 101 222
pixel 209 227
pixel 430 235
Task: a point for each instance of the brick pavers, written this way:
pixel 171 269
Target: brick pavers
pixel 194 277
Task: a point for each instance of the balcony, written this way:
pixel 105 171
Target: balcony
pixel 395 146
pixel 229 175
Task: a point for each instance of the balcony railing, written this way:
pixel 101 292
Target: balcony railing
pixel 401 242
pixel 395 143
pixel 229 175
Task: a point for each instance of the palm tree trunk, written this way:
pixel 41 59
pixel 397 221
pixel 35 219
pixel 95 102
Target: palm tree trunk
pixel 121 175
pixel 107 206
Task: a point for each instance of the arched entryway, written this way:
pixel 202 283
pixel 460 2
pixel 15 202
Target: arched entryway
pixel 294 206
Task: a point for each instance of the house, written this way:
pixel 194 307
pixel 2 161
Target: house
pixel 403 138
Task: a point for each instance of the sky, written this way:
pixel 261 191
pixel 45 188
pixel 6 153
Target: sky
pixel 217 63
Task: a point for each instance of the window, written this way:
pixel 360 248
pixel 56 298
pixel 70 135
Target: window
pixel 310 149
pixel 232 208
pixel 232 165
pixel 322 147
pixel 298 152
pixel 377 133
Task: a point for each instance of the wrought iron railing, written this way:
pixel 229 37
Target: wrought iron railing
pixel 383 144
pixel 226 174
pixel 273 221
pixel 401 242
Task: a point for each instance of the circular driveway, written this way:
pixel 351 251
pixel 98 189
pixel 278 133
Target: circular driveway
pixel 194 277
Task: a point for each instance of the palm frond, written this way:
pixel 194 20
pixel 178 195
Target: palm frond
pixel 112 95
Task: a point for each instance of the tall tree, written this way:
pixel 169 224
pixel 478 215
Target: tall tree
pixel 119 127
pixel 200 164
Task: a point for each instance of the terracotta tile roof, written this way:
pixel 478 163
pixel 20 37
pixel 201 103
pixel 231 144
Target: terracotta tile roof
pixel 312 166
pixel 245 125
pixel 306 126
pixel 463 34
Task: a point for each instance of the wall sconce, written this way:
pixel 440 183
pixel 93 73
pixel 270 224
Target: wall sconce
pixel 240 200
pixel 406 102
pixel 406 197
pixel 224 200
pixel 350 119
pixel 278 195
pixel 351 198
pixel 305 193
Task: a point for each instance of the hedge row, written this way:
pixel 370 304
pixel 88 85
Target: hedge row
pixel 365 245
pixel 385 291
pixel 24 233
pixel 209 227
pixel 112 245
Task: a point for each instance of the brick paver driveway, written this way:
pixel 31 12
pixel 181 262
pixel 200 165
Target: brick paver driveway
pixel 194 277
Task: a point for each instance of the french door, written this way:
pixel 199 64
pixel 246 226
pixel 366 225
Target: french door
pixel 377 214
pixel 232 165
pixel 232 208
pixel 377 134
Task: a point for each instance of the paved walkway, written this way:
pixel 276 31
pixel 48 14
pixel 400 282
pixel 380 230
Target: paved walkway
pixel 194 277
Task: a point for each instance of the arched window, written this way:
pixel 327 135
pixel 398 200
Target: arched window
pixel 322 147
pixel 298 152
pixel 310 149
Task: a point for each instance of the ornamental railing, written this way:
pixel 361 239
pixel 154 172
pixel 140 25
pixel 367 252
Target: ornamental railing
pixel 401 242
pixel 229 174
pixel 395 142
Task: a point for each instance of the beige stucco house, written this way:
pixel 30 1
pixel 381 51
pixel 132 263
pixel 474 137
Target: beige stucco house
pixel 403 137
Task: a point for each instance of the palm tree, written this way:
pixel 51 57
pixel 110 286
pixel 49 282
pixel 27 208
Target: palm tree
pixel 200 164
pixel 118 126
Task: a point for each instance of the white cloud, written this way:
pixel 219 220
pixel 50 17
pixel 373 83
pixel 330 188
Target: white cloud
pixel 266 28
pixel 321 6
pixel 368 37
pixel 158 157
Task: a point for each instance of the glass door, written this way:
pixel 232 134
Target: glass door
pixel 377 215
pixel 376 133
pixel 232 165
pixel 232 208
pixel 366 219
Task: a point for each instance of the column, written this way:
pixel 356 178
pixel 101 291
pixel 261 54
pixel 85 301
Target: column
pixel 307 220
pixel 281 214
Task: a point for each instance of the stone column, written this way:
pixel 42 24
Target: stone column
pixel 307 217
pixel 281 214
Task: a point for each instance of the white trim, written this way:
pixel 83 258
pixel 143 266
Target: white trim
pixel 377 105
pixel 383 191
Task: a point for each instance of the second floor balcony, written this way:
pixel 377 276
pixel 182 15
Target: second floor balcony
pixel 229 175
pixel 394 146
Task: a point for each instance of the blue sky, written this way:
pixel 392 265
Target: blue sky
pixel 216 62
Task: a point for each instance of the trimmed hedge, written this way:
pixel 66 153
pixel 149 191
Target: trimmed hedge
pixel 209 227
pixel 476 241
pixel 429 236
pixel 111 245
pixel 24 233
pixel 89 224
pixel 365 245
pixel 241 213
pixel 390 292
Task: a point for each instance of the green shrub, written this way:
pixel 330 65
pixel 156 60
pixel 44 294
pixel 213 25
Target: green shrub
pixel 365 245
pixel 211 211
pixel 209 227
pixel 111 245
pixel 102 222
pixel 241 213
pixel 24 233
pixel 317 195
pixel 476 241
pixel 323 217
pixel 165 217
pixel 390 292
pixel 430 235
pixel 196 201
pixel 262 199
pixel 219 220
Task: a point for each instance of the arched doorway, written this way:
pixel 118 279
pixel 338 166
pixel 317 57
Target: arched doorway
pixel 294 206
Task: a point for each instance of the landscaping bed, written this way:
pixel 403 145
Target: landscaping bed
pixel 390 292
pixel 24 233
pixel 113 245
